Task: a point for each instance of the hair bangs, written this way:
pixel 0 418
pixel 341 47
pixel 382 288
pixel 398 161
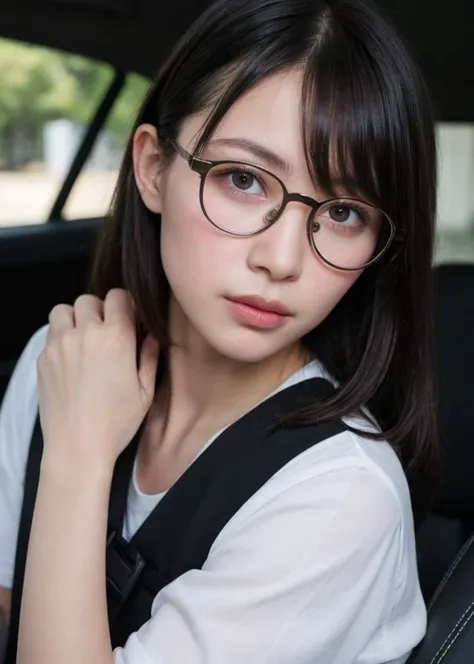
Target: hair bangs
pixel 347 125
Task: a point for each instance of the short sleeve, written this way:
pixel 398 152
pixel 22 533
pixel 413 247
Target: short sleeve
pixel 17 417
pixel 310 577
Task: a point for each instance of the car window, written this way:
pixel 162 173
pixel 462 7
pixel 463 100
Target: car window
pixel 48 98
pixel 92 191
pixel 455 223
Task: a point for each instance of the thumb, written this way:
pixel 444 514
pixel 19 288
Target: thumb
pixel 148 365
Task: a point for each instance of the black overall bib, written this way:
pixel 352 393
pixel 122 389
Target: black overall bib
pixel 178 534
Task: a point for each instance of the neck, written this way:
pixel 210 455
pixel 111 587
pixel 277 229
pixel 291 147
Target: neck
pixel 203 391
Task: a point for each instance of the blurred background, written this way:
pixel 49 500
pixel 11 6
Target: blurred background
pixel 47 100
pixel 49 97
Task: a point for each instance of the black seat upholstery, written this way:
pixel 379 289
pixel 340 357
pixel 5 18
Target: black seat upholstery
pixel 450 635
pixel 40 266
pixel 452 518
pixel 448 530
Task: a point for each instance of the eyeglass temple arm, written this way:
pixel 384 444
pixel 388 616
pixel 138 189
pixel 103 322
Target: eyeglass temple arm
pixel 201 166
pixel 182 152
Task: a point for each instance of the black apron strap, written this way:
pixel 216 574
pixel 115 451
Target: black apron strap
pixel 247 444
pixel 179 533
pixel 29 498
pixel 123 562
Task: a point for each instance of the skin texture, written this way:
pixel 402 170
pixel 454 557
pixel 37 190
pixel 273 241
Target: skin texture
pixel 278 264
pixel 93 396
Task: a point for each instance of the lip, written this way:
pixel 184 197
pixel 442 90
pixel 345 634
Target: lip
pixel 256 312
pixel 258 302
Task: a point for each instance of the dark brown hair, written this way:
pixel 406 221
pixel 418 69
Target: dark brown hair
pixel 364 102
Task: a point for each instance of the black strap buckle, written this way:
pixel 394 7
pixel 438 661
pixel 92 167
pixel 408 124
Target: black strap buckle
pixel 124 566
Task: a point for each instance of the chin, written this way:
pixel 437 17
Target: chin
pixel 251 347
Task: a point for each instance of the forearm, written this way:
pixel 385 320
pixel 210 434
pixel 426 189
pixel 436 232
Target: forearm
pixel 64 607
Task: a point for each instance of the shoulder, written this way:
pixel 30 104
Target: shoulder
pixel 331 516
pixel 18 413
pixel 345 477
pixel 347 458
pixel 351 450
pixel 22 388
pixel 19 407
pixel 353 453
pixel 344 506
pixel 347 485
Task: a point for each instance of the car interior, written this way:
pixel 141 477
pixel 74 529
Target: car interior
pixel 45 259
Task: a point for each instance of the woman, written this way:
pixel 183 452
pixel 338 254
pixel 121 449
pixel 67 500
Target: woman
pixel 273 224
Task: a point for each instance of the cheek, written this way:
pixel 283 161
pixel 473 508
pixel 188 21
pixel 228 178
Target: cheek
pixel 324 288
pixel 193 251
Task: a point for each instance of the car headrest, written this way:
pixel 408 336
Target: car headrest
pixel 455 356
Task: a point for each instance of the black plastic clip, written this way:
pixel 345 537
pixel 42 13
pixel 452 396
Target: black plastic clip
pixel 124 566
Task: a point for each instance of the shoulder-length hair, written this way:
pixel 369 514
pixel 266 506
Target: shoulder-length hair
pixel 365 113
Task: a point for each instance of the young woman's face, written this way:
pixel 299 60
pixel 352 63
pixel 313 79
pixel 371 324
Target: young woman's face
pixel 208 269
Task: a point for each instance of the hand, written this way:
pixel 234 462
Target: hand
pixel 92 395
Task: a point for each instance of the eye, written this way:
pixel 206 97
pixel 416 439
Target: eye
pixel 245 181
pixel 343 214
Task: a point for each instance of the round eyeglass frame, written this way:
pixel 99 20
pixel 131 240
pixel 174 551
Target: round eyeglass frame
pixel 203 166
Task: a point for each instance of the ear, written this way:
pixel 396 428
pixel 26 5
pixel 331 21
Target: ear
pixel 147 166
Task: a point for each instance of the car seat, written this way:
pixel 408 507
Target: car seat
pixel 447 535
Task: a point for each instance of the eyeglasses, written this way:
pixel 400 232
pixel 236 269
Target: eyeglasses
pixel 242 200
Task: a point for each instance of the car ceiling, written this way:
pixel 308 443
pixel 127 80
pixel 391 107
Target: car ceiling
pixel 135 35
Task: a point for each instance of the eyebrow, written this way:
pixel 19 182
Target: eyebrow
pixel 256 149
pixel 272 159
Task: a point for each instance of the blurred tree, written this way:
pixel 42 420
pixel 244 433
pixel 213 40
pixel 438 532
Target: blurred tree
pixel 123 114
pixel 36 84
pixel 39 85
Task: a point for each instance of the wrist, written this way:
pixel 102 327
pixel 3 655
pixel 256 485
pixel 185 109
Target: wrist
pixel 67 466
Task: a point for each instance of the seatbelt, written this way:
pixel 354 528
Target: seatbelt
pixel 179 533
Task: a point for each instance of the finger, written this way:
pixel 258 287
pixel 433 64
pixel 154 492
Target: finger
pixel 118 307
pixel 88 309
pixel 61 319
pixel 148 365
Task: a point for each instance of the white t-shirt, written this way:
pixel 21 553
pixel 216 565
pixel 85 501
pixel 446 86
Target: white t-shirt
pixel 318 567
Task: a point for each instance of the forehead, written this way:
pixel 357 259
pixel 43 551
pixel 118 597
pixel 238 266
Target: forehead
pixel 272 103
pixel 269 113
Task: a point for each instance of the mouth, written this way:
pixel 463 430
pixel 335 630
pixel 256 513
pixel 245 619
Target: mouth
pixel 256 311
pixel 273 306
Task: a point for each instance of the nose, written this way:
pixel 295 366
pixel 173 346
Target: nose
pixel 280 249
